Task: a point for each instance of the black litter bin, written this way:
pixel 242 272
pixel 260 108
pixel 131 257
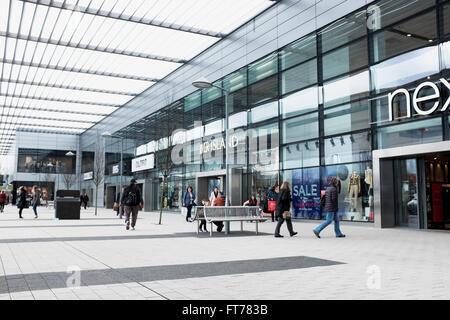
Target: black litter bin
pixel 67 204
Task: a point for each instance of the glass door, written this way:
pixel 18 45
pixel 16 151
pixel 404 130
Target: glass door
pixel 406 193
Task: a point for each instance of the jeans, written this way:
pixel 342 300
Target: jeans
pixel 133 211
pixel 330 217
pixel 34 209
pixel 2 206
pixel 189 209
pixel 280 222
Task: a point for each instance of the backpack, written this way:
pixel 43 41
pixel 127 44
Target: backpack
pixel 131 199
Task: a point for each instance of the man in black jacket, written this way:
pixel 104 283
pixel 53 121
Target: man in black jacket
pixel 331 208
pixel 131 201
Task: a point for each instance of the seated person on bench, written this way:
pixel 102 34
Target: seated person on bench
pixel 219 202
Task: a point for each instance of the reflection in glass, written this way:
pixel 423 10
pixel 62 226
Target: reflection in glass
pixel 411 133
pixel 344 30
pixel 349 117
pixel 48 161
pixel 345 59
pixel 264 112
pixel 348 148
pixel 299 51
pixel 263 90
pixel 236 80
pixel 407 213
pixel 301 128
pixel 406 36
pixel 303 101
pixel 405 69
pixel 299 77
pixel 346 89
pixel 263 68
pixel 301 155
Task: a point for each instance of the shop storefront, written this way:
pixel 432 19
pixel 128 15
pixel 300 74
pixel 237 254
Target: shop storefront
pixel 335 103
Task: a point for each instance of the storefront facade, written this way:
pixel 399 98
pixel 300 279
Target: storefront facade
pixel 364 99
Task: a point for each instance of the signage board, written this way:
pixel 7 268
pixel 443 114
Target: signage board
pixel 143 163
pixel 88 175
pixel 115 169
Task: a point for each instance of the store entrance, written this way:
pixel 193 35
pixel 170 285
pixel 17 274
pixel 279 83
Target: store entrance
pixel 437 191
pixel 206 181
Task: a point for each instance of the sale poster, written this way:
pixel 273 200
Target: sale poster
pixel 306 193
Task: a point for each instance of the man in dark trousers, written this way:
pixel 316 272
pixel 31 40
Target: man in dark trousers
pixel 131 201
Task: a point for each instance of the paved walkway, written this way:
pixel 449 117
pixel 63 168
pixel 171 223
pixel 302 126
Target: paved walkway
pixel 96 258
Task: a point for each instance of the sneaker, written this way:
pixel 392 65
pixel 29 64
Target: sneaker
pixel 278 236
pixel 294 234
pixel 341 236
pixel 316 233
pixel 127 225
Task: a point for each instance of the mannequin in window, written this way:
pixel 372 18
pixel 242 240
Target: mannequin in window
pixel 368 179
pixel 354 188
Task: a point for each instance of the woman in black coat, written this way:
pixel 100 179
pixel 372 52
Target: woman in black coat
pixel 22 201
pixel 284 204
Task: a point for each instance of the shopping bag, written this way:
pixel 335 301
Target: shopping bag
pixel 272 205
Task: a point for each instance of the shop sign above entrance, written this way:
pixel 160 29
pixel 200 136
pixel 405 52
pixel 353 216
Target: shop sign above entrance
pixel 143 163
pixel 416 99
pixel 88 175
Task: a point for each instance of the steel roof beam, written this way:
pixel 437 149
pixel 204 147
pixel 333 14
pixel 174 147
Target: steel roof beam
pixel 106 14
pixel 59 111
pixel 59 100
pixel 78 70
pixel 50 119
pixel 91 47
pixel 60 86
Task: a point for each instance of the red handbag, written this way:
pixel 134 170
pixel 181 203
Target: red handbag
pixel 271 206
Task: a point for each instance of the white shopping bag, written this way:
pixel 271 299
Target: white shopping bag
pixel 184 211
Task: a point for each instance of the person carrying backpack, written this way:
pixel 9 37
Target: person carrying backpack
pixel 131 201
pixel 329 202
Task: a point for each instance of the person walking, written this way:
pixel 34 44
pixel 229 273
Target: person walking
pixel 35 199
pixel 22 200
pixel 272 199
pixel 85 200
pixel 131 201
pixel 284 205
pixel 2 201
pixel 331 208
pixel 189 202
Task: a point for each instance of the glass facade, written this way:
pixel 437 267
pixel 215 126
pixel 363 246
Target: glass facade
pixel 46 161
pixel 325 97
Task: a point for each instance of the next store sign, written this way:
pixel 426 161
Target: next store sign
pixel 416 99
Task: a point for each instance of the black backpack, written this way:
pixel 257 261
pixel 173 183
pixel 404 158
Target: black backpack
pixel 131 199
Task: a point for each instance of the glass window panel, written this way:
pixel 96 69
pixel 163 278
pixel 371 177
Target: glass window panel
pixel 213 110
pixel 211 93
pixel 387 12
pixel 345 59
pixel 416 132
pixel 299 77
pixel 263 90
pixel 445 54
pixel 345 89
pixel 301 128
pixel 46 161
pixel 300 155
pixel 192 101
pixel 349 117
pixel 344 30
pixel 405 69
pixel 264 112
pixel 303 101
pixel 263 68
pixel 237 100
pixel 213 127
pixel 348 148
pixel 299 51
pixel 355 201
pixel 235 81
pixel 238 120
pixel 406 36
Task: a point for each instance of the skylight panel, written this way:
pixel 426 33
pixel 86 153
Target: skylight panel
pixel 39 19
pixel 27 18
pixel 4 10
pixel 15 16
pixel 49 22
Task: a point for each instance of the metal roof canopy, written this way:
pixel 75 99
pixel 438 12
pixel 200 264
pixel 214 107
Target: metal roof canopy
pixel 78 60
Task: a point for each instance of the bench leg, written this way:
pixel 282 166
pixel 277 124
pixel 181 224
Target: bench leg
pixel 227 227
pixel 198 227
pixel 256 226
pixel 242 226
pixel 211 230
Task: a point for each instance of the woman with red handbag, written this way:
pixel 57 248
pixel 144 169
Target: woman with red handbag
pixel 272 199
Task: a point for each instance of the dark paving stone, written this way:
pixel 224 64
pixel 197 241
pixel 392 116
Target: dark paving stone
pixel 168 272
pixel 133 237
pixel 62 226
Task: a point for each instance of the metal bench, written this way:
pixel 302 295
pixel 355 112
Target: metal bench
pixel 228 214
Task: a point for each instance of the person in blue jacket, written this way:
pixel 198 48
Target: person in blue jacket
pixel 189 202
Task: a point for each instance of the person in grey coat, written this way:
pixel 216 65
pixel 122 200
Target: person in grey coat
pixel 331 208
